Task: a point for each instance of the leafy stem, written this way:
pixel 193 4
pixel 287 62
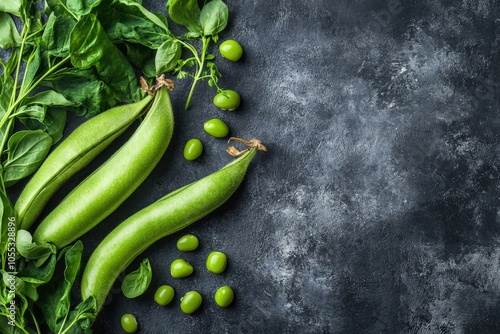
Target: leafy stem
pixel 200 64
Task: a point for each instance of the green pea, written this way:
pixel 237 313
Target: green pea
pixel 231 50
pixel 216 262
pixel 191 302
pixel 227 100
pixel 180 268
pixel 216 128
pixel 187 243
pixel 224 296
pixel 129 323
pixel 193 149
pixel 164 295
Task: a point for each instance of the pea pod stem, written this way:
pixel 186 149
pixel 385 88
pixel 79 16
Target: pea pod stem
pixel 107 187
pixel 167 215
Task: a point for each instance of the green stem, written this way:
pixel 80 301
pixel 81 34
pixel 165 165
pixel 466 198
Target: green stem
pixel 19 99
pixel 201 65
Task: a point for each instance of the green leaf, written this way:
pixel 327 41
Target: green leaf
pixel 185 13
pixel 213 17
pixel 39 274
pixel 31 250
pixel 83 86
pixel 126 21
pixel 35 111
pixel 136 283
pixel 55 297
pixel 167 56
pixel 9 36
pixel 11 6
pixel 56 35
pixel 71 8
pixel 7 228
pixel 26 151
pixel 32 67
pixel 49 98
pixel 90 47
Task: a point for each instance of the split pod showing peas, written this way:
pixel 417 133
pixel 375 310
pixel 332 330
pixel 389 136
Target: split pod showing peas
pixel 167 215
pixel 115 180
pixel 73 154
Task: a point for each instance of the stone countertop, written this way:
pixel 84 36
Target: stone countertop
pixel 376 208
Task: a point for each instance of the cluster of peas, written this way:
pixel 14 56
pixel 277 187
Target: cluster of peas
pixel 226 100
pixel 216 263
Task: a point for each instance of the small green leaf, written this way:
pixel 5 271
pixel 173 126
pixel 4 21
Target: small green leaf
pixel 214 17
pixel 26 151
pixel 185 13
pixel 56 35
pixel 11 6
pixel 90 47
pixel 167 56
pixel 31 250
pixel 49 98
pixel 137 282
pixel 9 36
pixel 182 74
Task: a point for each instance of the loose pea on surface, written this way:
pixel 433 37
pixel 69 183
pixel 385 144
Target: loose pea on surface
pixel 216 262
pixel 129 323
pixel 180 268
pixel 164 295
pixel 193 149
pixel 216 128
pixel 231 50
pixel 224 296
pixel 191 302
pixel 187 243
pixel 227 99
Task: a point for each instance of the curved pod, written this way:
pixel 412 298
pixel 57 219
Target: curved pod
pixel 115 180
pixel 74 153
pixel 168 215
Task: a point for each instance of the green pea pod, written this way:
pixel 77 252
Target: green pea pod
pixel 108 186
pixel 75 152
pixel 169 214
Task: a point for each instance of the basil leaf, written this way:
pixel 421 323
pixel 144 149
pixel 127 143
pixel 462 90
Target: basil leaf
pixel 54 298
pixel 56 36
pixel 37 274
pixel 26 151
pixel 167 56
pixel 31 250
pixel 11 6
pixel 213 17
pixel 185 13
pixel 71 8
pixel 7 227
pixel 130 22
pixel 9 36
pixel 84 87
pixel 136 283
pixel 49 98
pixel 90 47
pixel 32 67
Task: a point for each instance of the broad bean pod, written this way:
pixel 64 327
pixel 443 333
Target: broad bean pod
pixel 167 215
pixel 115 180
pixel 73 154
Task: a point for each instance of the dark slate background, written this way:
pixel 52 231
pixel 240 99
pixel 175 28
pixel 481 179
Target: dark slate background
pixel 376 208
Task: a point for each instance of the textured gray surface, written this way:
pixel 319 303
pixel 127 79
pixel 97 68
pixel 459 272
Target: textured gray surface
pixel 375 209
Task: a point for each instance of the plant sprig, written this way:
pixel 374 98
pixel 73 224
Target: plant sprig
pixel 203 26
